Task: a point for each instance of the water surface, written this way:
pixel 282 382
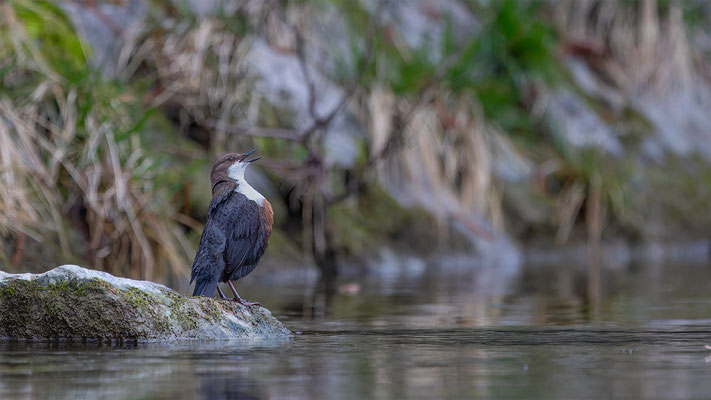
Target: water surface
pixel 540 333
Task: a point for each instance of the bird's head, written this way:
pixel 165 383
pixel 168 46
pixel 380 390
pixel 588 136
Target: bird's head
pixel 231 166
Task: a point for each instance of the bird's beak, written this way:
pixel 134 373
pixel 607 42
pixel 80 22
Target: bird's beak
pixel 247 155
pixel 254 159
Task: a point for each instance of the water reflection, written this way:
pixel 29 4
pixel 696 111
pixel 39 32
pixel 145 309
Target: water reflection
pixel 227 386
pixel 426 335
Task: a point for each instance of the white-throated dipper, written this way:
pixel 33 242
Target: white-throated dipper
pixel 239 223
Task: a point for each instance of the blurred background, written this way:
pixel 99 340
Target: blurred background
pixel 509 132
pixel 505 199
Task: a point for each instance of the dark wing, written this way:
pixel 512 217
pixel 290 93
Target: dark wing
pixel 241 225
pixel 228 241
pixel 209 263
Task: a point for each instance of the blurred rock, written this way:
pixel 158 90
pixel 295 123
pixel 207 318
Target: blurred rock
pixel 681 121
pixel 579 125
pixel 102 25
pixel 422 23
pixel 284 85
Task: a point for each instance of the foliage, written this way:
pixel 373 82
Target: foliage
pixel 112 170
pixel 74 160
pixel 51 35
pixel 512 52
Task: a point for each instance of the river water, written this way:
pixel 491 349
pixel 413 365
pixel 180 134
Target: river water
pixel 544 332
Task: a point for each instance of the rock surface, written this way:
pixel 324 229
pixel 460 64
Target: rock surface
pixel 75 303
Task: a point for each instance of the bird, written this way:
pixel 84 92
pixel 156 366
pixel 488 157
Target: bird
pixel 237 230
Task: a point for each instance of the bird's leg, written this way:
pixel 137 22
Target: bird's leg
pixel 239 299
pixel 222 295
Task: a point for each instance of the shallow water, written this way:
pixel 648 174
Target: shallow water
pixel 542 333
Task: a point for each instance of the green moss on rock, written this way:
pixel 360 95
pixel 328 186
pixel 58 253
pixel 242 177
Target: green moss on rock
pixel 73 303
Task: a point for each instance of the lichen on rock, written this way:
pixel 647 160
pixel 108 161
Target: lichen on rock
pixel 75 303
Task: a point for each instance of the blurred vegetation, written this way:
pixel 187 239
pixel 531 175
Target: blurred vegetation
pixel 110 169
pixel 79 171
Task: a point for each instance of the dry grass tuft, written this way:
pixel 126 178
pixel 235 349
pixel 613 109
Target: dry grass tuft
pixel 68 182
pixel 201 73
pixel 632 44
pixel 445 158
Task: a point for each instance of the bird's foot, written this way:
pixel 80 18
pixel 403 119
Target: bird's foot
pixel 222 295
pixel 239 299
pixel 245 302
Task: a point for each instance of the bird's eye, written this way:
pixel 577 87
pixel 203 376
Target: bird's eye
pixel 231 158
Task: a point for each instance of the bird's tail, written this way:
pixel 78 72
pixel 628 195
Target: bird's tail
pixel 204 288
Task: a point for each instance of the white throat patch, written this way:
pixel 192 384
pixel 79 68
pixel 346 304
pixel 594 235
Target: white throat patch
pixel 236 172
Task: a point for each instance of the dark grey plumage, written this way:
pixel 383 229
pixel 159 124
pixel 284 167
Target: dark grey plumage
pixel 236 234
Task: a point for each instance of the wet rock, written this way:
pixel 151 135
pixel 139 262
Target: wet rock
pixel 75 303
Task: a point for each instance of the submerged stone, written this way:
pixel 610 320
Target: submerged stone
pixel 75 303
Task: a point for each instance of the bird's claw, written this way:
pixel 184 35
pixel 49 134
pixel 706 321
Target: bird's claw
pixel 239 299
pixel 247 303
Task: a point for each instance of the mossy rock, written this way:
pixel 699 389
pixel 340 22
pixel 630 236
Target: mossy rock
pixel 78 304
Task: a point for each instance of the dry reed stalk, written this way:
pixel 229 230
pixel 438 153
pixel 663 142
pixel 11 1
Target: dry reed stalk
pixel 49 161
pixel 634 47
pixel 445 162
pixel 567 208
pixel 201 70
